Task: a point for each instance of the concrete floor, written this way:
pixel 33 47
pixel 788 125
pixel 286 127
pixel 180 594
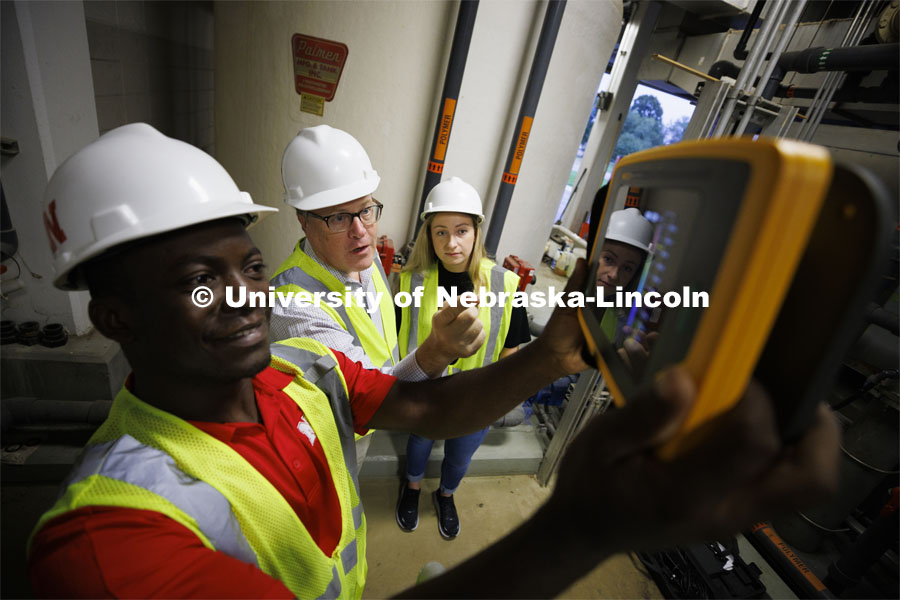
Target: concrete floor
pixel 489 507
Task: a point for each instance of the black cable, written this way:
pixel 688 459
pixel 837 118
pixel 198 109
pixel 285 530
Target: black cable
pixel 24 262
pixel 18 266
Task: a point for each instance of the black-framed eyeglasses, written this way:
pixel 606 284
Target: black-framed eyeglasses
pixel 342 221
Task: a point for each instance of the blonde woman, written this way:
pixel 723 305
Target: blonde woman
pixel 449 253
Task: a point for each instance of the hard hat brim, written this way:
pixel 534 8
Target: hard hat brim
pixel 333 197
pixel 479 219
pixel 68 278
pixel 627 240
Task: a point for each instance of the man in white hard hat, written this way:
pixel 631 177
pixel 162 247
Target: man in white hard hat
pixel 226 466
pixel 329 181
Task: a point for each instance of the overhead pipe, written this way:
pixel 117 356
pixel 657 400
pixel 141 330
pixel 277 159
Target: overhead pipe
pixel 747 78
pixel 829 79
pixel 814 60
pixel 748 71
pixel 782 43
pixel 740 51
pixel 459 52
pixel 887 94
pixel 833 80
pixel 764 40
pixel 546 41
pixel 855 58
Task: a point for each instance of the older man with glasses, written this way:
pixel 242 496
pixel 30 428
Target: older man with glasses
pixel 329 180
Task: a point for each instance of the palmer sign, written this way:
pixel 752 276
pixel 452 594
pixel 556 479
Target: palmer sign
pixel 318 65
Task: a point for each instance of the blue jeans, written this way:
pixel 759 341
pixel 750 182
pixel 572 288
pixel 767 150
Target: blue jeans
pixel 457 456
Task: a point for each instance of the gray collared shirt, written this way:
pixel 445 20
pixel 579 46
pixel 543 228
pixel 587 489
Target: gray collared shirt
pixel 313 322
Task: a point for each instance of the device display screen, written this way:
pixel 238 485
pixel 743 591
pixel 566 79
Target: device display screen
pixel 658 295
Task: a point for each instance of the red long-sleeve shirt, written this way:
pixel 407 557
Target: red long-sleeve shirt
pixel 121 552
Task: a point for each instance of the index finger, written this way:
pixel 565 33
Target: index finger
pixel 449 312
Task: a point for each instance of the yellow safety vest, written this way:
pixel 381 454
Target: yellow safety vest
pixel 415 322
pixel 145 458
pixel 300 273
pixel 608 324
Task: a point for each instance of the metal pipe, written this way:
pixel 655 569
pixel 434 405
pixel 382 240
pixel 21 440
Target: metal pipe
pixel 850 34
pixel 785 37
pixel 853 58
pixel 834 80
pixel 879 95
pixel 740 51
pixel 459 52
pixel 546 41
pixel 786 562
pixel 724 68
pixel 815 108
pixel 764 40
pixel 764 37
pixel 748 70
pixel 684 67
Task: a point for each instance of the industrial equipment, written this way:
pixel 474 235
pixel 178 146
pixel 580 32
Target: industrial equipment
pixel 740 220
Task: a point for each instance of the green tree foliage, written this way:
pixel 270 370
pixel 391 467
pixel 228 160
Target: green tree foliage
pixel 648 106
pixel 642 129
pixel 674 131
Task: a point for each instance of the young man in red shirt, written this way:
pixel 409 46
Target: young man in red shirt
pixel 226 466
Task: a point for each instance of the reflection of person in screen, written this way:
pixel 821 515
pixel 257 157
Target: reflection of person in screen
pixel 621 259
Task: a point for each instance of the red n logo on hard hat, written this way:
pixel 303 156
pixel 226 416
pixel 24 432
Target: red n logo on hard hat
pixel 54 232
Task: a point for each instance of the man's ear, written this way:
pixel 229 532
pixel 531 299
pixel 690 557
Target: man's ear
pixel 112 318
pixel 301 217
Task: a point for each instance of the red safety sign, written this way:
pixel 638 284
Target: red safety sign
pixel 318 65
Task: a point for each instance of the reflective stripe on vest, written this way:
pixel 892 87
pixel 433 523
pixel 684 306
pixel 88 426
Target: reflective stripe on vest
pixel 608 324
pixel 416 322
pixel 323 374
pixel 127 460
pixel 301 271
pixel 145 458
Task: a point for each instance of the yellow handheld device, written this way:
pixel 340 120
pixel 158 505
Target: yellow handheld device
pixel 731 219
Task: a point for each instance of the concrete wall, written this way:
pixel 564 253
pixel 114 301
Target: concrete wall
pixel 587 35
pixel 388 96
pixel 152 62
pixel 71 71
pixel 47 105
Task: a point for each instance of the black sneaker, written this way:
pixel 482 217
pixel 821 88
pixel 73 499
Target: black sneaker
pixel 448 520
pixel 408 508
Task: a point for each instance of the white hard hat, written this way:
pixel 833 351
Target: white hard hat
pixel 131 183
pixel 454 196
pixel 324 166
pixel 630 227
